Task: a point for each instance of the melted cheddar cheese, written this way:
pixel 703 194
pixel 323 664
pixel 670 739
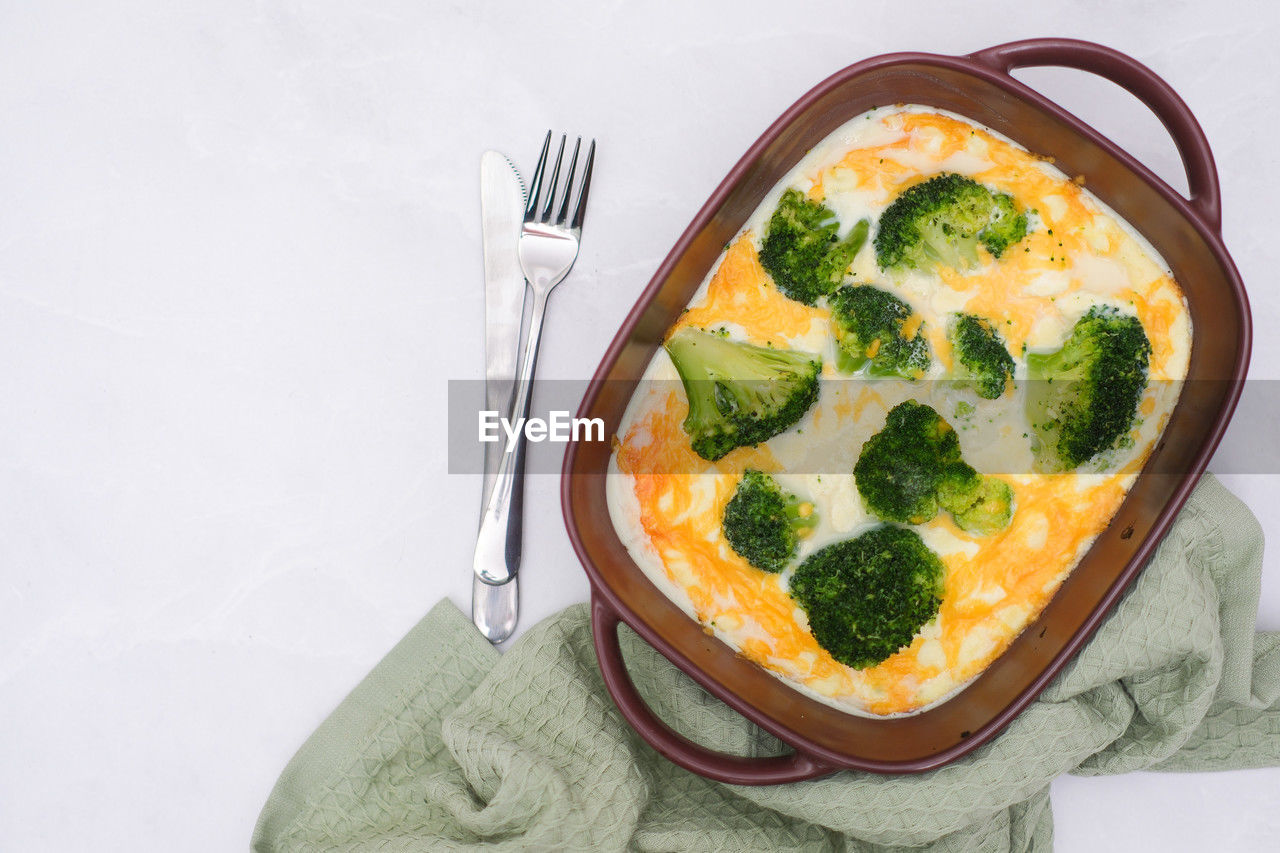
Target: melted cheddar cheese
pixel 667 502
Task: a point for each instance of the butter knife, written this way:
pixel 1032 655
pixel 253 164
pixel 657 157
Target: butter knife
pixel 495 607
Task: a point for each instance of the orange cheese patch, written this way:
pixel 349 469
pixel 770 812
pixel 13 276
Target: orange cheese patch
pixel 742 292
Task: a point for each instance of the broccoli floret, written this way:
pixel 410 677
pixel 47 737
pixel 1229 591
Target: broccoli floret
pixel 877 330
pixel 1006 226
pixel 802 250
pixel 979 358
pixel 900 468
pixel 913 467
pixel 978 504
pixel 1082 399
pixel 739 394
pixel 763 525
pixel 942 221
pixel 867 598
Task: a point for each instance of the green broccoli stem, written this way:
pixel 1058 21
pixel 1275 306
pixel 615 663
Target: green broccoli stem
pixel 801 515
pixel 739 394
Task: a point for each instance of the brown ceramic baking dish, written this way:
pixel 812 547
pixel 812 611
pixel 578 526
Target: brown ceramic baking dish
pixel 1185 231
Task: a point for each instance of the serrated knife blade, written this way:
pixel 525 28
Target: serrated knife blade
pixel 495 607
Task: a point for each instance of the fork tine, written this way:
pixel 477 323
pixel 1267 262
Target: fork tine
pixel 579 211
pixel 535 184
pixel 568 184
pixel 555 180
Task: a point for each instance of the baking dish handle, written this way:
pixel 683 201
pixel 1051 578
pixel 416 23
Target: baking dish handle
pixel 723 767
pixel 1141 82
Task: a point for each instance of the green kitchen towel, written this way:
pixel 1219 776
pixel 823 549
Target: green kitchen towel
pixel 448 745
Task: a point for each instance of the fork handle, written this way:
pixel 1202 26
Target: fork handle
pixel 501 536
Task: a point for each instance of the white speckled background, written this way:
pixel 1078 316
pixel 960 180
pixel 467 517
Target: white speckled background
pixel 239 259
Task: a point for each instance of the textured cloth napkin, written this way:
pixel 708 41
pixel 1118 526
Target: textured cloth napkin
pixel 448 745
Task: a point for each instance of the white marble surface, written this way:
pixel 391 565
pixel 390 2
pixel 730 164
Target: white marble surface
pixel 239 259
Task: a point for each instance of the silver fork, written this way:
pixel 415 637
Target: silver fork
pixel 548 247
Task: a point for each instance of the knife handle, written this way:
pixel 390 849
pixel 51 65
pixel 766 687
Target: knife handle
pixel 501 536
pixel 495 608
